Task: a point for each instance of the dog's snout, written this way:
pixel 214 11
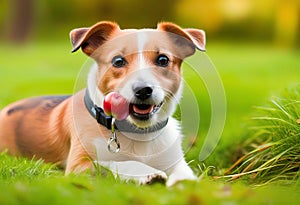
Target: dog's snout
pixel 142 93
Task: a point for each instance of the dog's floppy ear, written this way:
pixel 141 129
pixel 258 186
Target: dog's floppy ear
pixel 89 39
pixel 196 37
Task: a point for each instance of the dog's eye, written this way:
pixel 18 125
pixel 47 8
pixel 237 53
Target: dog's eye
pixel 118 62
pixel 162 60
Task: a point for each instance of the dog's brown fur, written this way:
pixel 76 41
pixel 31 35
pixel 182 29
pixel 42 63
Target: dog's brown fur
pixel 44 127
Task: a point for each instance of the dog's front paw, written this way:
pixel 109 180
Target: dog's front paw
pixel 135 171
pixel 174 179
pixel 154 178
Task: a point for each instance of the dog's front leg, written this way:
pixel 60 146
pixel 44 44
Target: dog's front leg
pixel 180 171
pixel 78 160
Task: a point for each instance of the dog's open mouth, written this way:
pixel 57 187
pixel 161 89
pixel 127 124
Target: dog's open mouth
pixel 143 111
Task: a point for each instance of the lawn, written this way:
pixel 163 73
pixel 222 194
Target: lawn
pixel 251 73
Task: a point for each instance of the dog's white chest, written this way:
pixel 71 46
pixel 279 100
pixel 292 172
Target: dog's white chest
pixel 158 151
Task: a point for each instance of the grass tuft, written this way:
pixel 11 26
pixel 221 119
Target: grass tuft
pixel 16 168
pixel 273 151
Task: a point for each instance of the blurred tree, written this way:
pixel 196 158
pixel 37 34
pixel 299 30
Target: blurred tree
pixel 20 20
pixel 133 13
pixel 200 13
pixel 67 14
pixel 244 19
pixel 268 20
pixel 47 16
pixel 287 23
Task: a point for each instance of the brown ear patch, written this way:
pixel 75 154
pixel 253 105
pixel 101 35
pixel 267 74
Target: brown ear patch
pixel 173 28
pixel 89 39
pixel 195 38
pixel 76 37
pixel 198 37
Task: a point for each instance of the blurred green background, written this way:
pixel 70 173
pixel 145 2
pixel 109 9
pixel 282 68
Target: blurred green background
pixel 273 21
pixel 254 44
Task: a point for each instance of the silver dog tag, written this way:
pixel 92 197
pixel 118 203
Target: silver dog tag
pixel 113 144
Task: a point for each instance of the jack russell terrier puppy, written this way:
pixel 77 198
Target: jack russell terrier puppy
pixel 143 68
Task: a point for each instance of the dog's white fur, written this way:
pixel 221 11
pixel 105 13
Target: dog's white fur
pixel 160 150
pixel 71 136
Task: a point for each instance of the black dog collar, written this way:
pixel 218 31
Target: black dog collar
pixel 121 125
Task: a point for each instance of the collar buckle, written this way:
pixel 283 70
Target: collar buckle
pixel 102 118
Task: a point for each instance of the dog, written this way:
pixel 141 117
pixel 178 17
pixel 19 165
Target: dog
pixel 144 66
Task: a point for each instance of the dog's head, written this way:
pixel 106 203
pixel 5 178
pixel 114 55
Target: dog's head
pixel 142 65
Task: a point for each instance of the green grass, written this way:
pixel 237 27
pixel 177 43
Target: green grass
pixel 274 142
pixel 29 182
pixel 250 73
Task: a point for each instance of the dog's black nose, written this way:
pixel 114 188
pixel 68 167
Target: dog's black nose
pixel 143 93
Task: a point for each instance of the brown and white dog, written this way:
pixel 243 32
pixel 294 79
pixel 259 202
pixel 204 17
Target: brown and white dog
pixel 144 66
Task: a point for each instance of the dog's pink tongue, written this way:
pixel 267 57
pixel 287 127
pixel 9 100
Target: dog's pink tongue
pixel 116 105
